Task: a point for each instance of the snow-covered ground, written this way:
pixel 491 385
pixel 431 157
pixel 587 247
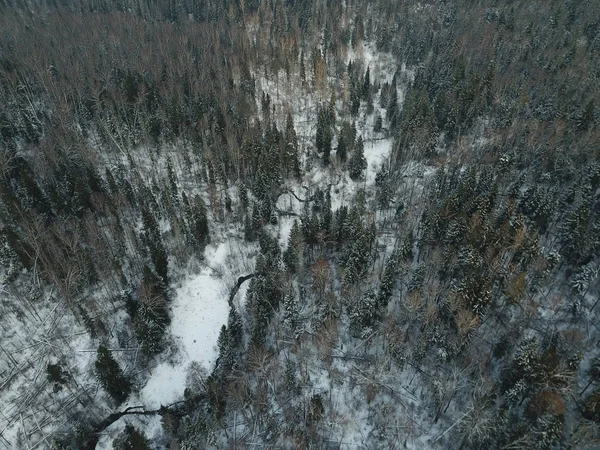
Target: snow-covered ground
pixel 199 300
pixel 198 312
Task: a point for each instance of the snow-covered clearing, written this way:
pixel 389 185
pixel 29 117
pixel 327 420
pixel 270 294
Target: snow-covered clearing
pixel 199 310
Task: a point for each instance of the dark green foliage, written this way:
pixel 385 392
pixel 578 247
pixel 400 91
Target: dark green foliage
pixel 131 439
pixel 365 314
pixel 358 162
pixel 243 193
pixel 392 107
pixel 342 148
pixel 378 124
pixel 580 234
pixel 235 328
pixel 384 187
pixel 502 96
pixel 324 135
pixel 153 239
pixel 388 280
pixel 198 224
pixel 291 253
pixel 346 141
pixel 151 313
pixel 291 152
pixel 57 375
pixel 265 291
pixel 225 360
pixel 111 376
pixel 289 376
pixel 94 326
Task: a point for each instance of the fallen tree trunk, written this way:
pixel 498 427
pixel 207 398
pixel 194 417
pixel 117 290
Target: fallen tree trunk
pixel 94 436
pixel 237 286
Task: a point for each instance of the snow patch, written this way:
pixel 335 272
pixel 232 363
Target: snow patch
pixel 199 311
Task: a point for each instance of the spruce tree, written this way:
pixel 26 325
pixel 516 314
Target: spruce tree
pixel 131 439
pixel 199 224
pixel 151 314
pixel 155 245
pixel 292 161
pixel 357 163
pixel 342 149
pixel 324 136
pixel 111 376
pixel 302 69
pixel 392 107
pixel 235 328
pixel 388 280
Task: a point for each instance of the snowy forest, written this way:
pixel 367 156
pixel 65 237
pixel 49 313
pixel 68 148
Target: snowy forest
pixel 299 224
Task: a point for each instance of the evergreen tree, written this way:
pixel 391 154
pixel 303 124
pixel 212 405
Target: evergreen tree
pixel 388 280
pixel 324 135
pixel 291 254
pixel 355 94
pixel 302 69
pixel 131 439
pixel 365 314
pixel 291 315
pixel 292 161
pixel 151 313
pixel 342 149
pixel 331 110
pixel 111 376
pixel 154 243
pixel 357 163
pixel 235 328
pixel 378 124
pixel 392 112
pixel 243 192
pixel 198 224
pixel 226 358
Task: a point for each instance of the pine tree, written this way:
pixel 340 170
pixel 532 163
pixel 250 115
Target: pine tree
pixel 243 192
pixel 291 316
pixel 131 439
pixel 291 253
pixel 154 242
pixel 324 135
pixel 289 377
pixel 331 116
pixel 198 224
pixel 226 359
pixel 378 124
pixel 151 314
pixel 111 376
pixel 355 94
pixel 235 327
pixel 248 227
pixel 302 69
pixel 342 149
pixel 365 314
pixel 292 161
pixel 392 107
pixel 357 163
pixel 388 280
